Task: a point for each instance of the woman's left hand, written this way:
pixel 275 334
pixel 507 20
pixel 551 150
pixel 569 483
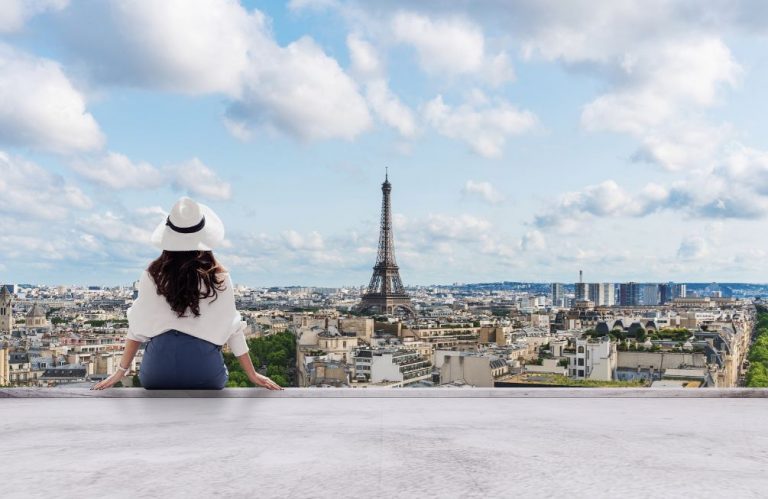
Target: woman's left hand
pixel 109 381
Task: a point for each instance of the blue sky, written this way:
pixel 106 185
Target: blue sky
pixel 525 140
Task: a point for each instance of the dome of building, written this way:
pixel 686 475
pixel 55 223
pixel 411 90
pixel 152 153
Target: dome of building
pixel 36 311
pixel 36 317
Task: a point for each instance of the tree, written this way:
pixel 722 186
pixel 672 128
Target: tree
pixel 272 355
pixel 280 379
pixel 136 381
pixel 238 379
pixel 277 357
pixel 641 335
pixel 757 376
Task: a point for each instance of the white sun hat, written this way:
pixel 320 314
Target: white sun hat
pixel 190 226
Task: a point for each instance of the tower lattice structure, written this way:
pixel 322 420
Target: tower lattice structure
pixel 385 291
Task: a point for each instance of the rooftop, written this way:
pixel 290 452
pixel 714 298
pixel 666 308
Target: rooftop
pixel 451 442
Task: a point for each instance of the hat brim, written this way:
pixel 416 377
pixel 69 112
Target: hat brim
pixel 206 239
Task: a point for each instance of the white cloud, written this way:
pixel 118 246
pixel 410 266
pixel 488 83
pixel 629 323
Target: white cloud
pixel 657 98
pixel 217 46
pixel 663 66
pixel 117 171
pixel 737 188
pixel 689 144
pixel 301 91
pixel 533 241
pixel 484 190
pixel 484 128
pixel 295 253
pixel 366 64
pixel 451 45
pixel 745 166
pixel 693 248
pixel 297 5
pixel 198 179
pixel 14 13
pixel 367 69
pixel 239 129
pixel 40 108
pixel 114 228
pixel 39 247
pixel 170 45
pixel 390 109
pixel 295 241
pixel 29 191
pixel 89 243
pixel 443 227
pixel 606 199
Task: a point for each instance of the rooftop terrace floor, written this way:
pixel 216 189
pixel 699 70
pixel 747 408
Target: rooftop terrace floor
pixel 469 443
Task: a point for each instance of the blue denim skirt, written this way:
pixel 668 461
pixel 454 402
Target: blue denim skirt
pixel 178 361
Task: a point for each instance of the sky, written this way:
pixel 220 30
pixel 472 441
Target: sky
pixel 525 140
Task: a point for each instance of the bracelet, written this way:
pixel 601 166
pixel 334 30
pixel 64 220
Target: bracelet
pixel 126 369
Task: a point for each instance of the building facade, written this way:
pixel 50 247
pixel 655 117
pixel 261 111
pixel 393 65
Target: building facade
pixel 386 365
pixel 582 291
pixel 558 294
pixel 603 294
pixel 635 294
pixel 593 359
pixel 6 311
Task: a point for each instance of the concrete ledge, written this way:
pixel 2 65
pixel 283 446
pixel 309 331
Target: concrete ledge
pixel 393 443
pixel 292 393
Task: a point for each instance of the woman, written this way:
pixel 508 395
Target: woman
pixel 186 310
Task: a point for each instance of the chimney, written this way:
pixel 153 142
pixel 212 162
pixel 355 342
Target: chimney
pixel 581 277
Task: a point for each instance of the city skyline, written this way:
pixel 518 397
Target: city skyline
pixel 524 141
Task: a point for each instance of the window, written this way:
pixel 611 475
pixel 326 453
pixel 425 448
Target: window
pixel 581 373
pixel 581 362
pixel 581 349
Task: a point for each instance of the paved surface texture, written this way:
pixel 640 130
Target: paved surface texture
pixel 293 446
pixel 84 391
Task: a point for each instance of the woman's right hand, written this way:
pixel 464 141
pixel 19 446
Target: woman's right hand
pixel 266 382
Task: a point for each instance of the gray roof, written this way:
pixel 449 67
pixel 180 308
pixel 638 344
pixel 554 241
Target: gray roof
pixel 497 363
pixel 63 373
pixel 37 310
pixel 18 357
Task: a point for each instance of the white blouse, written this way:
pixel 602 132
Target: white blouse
pixel 219 321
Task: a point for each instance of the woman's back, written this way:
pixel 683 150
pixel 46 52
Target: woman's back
pixel 185 309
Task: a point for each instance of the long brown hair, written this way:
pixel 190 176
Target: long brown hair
pixel 186 277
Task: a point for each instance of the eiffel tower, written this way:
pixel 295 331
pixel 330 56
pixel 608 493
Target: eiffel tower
pixel 385 291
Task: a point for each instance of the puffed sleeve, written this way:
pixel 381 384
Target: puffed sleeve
pixel 236 339
pixel 138 316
